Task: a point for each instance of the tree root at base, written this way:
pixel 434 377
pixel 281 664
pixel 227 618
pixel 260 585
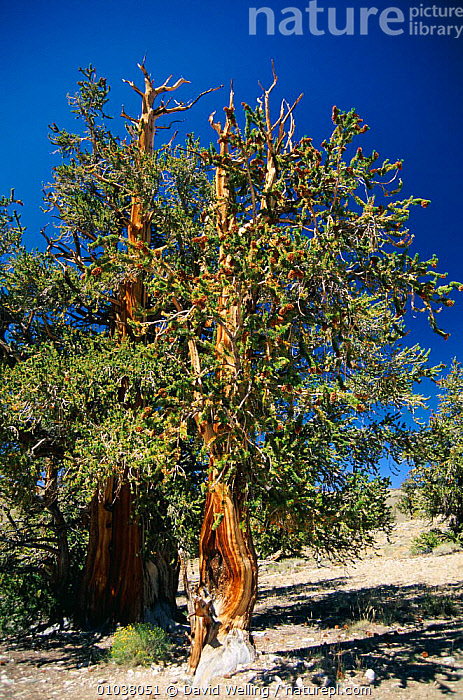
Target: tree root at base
pixel 218 659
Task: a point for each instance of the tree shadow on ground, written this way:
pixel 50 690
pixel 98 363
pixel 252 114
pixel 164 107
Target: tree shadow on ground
pixel 415 656
pixel 385 605
pixel 77 649
pixel 300 590
pixel 71 648
pixel 420 651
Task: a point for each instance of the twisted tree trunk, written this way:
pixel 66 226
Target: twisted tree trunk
pixel 224 601
pixel 228 587
pixel 112 588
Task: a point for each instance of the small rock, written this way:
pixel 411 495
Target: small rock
pixel 321 679
pixel 130 672
pixel 49 630
pixel 449 660
pixel 300 683
pixel 273 658
pixel 369 676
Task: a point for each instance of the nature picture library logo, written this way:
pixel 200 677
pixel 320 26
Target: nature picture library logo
pixel 318 20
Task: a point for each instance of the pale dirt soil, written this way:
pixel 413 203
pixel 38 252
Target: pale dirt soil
pixel 395 614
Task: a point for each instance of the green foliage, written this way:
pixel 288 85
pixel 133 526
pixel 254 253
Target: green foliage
pixel 302 263
pixel 140 644
pixel 408 504
pixel 435 484
pixel 25 600
pixel 426 542
pixel 338 521
pixel 61 415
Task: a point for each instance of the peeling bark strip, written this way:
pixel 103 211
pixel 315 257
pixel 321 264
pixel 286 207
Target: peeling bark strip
pixel 119 585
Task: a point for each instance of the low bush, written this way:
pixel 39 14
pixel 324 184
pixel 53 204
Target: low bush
pixel 141 644
pixel 427 541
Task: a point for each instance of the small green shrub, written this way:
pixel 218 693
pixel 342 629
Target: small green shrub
pixel 427 541
pixel 141 644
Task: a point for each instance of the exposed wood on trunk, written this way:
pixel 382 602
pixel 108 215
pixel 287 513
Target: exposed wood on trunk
pixel 131 295
pixel 139 230
pixel 118 584
pixel 227 558
pixel 114 581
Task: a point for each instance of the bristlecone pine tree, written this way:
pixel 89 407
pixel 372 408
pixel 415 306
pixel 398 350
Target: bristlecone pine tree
pixel 286 285
pixel 118 584
pixel 276 277
pixel 435 484
pixel 298 273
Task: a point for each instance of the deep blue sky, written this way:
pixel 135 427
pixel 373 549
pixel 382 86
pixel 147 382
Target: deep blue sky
pixel 407 88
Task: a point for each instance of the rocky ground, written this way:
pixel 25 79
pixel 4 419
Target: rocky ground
pixel 388 626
